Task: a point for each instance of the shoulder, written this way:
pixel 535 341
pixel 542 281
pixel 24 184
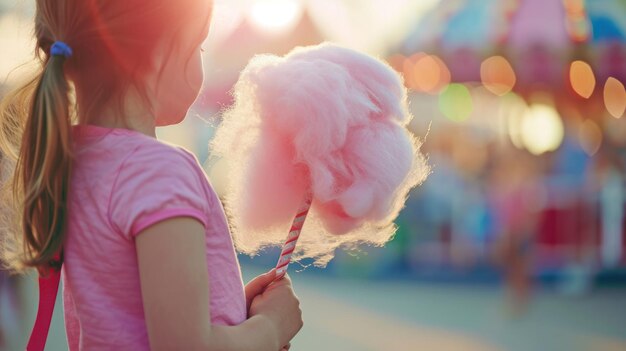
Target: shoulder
pixel 151 152
pixel 159 160
pixel 161 164
pixel 157 180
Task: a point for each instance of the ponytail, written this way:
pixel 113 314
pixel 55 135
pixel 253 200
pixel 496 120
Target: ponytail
pixel 42 173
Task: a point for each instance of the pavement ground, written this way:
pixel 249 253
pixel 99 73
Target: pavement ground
pixel 357 315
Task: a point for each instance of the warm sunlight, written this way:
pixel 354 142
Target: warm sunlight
pixel 542 129
pixel 275 15
pixel 15 33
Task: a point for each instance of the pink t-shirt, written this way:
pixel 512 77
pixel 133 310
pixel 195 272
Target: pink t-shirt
pixel 123 182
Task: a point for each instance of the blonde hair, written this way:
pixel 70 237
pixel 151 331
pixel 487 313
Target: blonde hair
pixel 114 42
pixel 43 162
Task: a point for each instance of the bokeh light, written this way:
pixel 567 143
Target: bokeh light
pixel 426 73
pixel 590 136
pixel 455 102
pixel 275 15
pixel 397 62
pixel 541 129
pixel 615 130
pixel 582 79
pixel 408 69
pixel 614 97
pixel 497 75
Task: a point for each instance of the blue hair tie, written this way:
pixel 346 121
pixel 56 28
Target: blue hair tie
pixel 59 48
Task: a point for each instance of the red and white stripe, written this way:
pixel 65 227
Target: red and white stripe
pixel 290 244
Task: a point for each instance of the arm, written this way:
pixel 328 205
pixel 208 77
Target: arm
pixel 175 290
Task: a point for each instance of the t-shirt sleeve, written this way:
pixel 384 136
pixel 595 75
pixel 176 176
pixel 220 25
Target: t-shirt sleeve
pixel 155 184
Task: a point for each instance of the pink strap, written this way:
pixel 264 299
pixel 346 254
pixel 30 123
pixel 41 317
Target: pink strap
pixel 48 288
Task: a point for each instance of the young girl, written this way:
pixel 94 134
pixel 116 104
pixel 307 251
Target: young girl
pixel 148 262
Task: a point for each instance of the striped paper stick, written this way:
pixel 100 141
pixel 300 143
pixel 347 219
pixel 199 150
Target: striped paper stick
pixel 294 233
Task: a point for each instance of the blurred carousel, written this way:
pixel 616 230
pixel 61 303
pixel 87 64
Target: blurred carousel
pixel 523 102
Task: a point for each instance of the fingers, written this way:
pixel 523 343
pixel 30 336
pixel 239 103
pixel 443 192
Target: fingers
pixel 284 280
pixel 257 285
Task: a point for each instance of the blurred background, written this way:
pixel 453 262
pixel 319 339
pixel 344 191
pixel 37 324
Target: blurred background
pixel 517 239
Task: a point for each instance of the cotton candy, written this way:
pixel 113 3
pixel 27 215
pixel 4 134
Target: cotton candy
pixel 327 121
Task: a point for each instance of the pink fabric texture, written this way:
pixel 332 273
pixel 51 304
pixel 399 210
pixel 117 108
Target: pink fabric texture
pixel 122 183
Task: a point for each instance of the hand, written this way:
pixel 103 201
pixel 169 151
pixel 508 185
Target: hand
pixel 279 304
pixel 257 285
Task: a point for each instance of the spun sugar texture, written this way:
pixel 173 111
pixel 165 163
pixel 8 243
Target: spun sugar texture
pixel 326 120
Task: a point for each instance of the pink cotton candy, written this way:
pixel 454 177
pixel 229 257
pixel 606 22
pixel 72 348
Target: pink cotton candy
pixel 324 120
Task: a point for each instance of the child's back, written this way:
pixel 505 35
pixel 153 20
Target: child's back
pixel 116 191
